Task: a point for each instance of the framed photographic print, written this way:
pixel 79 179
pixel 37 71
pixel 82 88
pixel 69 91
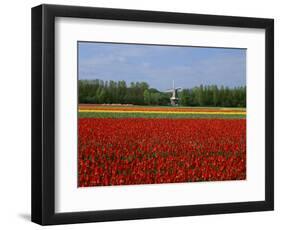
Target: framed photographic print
pixel 143 114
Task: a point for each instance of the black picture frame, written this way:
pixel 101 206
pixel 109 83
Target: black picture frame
pixel 43 114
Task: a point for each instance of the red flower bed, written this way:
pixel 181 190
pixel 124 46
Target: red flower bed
pixel 147 151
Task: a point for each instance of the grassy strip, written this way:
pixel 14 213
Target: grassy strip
pixel 157 115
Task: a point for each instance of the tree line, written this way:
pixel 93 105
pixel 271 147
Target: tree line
pixel 139 93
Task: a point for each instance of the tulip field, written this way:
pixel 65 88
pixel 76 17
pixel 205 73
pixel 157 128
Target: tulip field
pixel 126 145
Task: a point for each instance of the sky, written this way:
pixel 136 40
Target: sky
pixel 160 65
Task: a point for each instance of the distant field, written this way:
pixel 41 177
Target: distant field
pixel 144 107
pixel 129 111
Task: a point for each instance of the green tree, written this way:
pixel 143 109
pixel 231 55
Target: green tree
pixel 146 97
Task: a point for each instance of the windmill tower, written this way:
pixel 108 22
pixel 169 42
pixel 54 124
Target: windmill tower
pixel 175 98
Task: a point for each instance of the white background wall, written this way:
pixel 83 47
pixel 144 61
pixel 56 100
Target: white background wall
pixel 15 117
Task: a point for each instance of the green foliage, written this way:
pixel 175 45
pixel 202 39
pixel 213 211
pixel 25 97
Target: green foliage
pixel 139 93
pixel 158 115
pixel 213 96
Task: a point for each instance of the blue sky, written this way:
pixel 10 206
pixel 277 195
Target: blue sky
pixel 160 65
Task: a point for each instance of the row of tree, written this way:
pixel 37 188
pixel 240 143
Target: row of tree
pixel 139 93
pixel 212 95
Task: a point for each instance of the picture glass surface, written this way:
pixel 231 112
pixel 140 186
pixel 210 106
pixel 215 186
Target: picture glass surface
pixel 151 114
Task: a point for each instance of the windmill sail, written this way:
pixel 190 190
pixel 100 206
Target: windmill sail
pixel 174 99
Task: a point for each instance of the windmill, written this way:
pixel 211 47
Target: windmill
pixel 174 99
